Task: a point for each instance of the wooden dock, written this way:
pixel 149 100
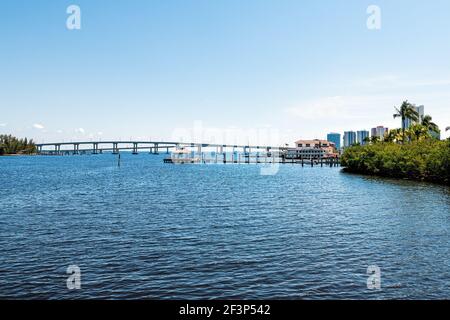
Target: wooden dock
pixel 254 159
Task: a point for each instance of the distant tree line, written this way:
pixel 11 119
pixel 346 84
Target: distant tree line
pixel 412 153
pixel 13 145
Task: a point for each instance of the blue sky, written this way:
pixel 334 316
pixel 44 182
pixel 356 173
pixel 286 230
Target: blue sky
pixel 155 69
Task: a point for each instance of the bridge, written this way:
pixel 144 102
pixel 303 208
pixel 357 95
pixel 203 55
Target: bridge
pixel 154 147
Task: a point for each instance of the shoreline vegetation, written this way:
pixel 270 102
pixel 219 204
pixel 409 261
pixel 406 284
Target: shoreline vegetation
pixel 413 153
pixel 10 146
pixel 422 160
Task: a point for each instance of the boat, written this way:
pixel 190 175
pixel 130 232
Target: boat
pixel 182 156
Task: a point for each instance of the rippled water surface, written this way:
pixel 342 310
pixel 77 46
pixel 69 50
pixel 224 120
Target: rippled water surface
pixel 154 230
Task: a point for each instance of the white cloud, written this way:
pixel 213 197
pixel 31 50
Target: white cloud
pixel 38 126
pixel 80 130
pixel 3 124
pixel 382 83
pixel 316 117
pixel 340 107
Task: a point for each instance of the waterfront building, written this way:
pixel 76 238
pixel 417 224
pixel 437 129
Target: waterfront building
pixel 335 138
pixel 305 153
pixel 408 122
pixel 328 146
pixel 316 143
pixel 312 149
pixel 362 136
pixel 379 132
pixel 349 138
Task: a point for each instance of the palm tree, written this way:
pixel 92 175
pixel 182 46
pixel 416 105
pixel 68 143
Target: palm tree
pixel 406 111
pixel 418 132
pixel 394 135
pixel 431 126
pixel 375 139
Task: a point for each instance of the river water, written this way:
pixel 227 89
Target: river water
pixel 160 231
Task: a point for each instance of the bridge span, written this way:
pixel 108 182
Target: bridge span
pixel 95 147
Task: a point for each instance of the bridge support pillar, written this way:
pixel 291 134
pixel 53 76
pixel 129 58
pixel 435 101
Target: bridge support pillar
pixel 247 152
pixel 223 153
pixel 57 149
pixel 156 149
pixel 115 148
pixel 76 148
pixel 135 148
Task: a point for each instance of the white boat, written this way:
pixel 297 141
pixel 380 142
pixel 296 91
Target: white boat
pixel 182 156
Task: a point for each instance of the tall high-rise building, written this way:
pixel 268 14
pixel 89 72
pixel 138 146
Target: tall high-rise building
pixel 349 138
pixel 379 132
pixel 335 138
pixel 408 122
pixel 436 135
pixel 361 137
